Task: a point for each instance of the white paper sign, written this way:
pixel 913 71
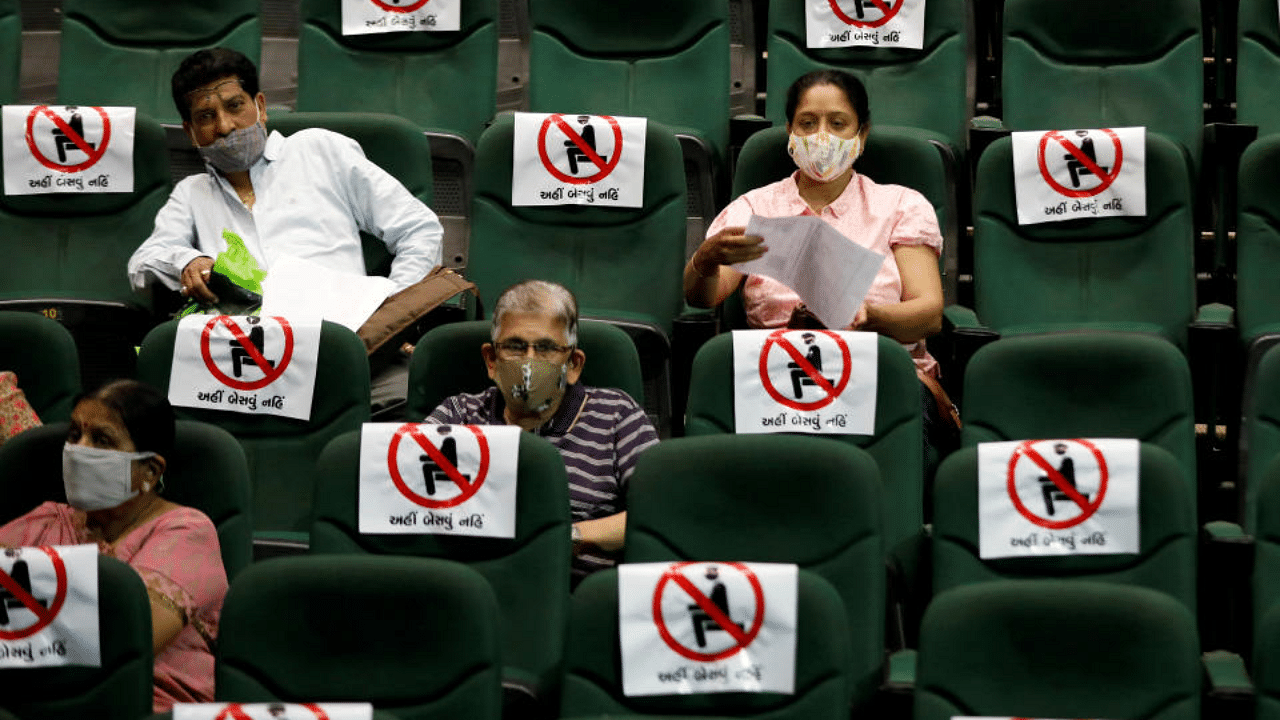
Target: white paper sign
pixel 366 17
pixel 871 23
pixel 1057 497
pixel 300 288
pixel 418 479
pixel 813 381
pixel 561 159
pixel 272 711
pixel 707 627
pixel 245 364
pixel 1069 174
pixel 67 149
pixel 49 606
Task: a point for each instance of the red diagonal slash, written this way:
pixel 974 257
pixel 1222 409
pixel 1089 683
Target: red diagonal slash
pixel 439 459
pixel 1057 479
pixel 71 134
pixel 806 366
pixel 43 615
pixel 247 344
pixel 710 609
pixel 884 8
pixel 577 140
pixel 1084 159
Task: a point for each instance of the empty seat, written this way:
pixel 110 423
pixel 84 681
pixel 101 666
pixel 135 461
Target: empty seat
pixel 43 355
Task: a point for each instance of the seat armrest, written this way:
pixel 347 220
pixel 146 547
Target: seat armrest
pixel 1225 602
pixel 1229 693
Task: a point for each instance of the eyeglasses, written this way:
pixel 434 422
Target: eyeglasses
pixel 516 348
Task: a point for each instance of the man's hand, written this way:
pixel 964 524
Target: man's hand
pixel 194 277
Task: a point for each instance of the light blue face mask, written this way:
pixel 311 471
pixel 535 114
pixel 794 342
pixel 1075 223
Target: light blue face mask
pixel 99 479
pixel 238 150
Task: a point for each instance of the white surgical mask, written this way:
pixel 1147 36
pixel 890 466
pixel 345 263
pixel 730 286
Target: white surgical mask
pixel 823 156
pixel 98 479
pixel 238 150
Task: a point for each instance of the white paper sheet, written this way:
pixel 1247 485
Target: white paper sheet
pixel 298 288
pixel 830 272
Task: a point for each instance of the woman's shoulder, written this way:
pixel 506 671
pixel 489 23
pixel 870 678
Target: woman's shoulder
pixel 184 517
pixel 900 195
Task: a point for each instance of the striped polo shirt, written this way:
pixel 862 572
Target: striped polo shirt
pixel 599 432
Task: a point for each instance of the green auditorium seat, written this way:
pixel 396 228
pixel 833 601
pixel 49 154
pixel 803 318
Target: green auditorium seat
pixel 771 498
pixel 11 54
pixel 124 52
pixel 1265 489
pixel 1261 434
pixel 1098 63
pixel 1257 61
pixel 206 471
pixel 118 690
pixel 931 88
pixel 417 637
pixel 391 142
pixel 447 361
pixel 42 354
pixel 529 573
pixel 593 671
pixel 1258 242
pixel 1266 655
pixel 66 256
pixel 1058 648
pixel 1167 532
pixel 281 451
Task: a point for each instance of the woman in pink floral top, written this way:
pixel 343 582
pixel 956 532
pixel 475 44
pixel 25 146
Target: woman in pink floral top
pixel 112 467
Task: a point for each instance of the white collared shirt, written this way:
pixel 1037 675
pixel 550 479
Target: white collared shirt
pixel 315 191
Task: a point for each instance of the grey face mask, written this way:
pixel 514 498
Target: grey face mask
pixel 238 150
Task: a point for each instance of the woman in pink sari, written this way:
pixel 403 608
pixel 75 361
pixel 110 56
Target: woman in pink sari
pixel 112 467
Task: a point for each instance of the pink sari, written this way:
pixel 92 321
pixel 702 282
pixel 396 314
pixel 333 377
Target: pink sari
pixel 177 555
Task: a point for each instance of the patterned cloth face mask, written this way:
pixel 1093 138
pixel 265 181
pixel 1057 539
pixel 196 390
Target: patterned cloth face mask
pixel 823 156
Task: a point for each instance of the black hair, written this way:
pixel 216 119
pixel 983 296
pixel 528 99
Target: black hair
pixel 205 66
pixel 854 91
pixel 145 412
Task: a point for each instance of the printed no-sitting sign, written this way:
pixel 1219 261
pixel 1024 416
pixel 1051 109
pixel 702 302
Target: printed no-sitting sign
pixel 1069 174
pixel 67 149
pixel 869 23
pixel 707 627
pixel 814 381
pixel 366 17
pixel 1057 497
pixel 438 479
pixel 245 364
pixel 578 160
pixel 272 711
pixel 49 606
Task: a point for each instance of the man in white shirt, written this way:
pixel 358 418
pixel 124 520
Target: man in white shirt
pixel 266 197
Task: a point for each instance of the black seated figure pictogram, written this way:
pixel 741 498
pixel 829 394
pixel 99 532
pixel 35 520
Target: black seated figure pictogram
pixel 1067 469
pixel 702 621
pixel 63 143
pixel 575 153
pixel 800 378
pixel 21 575
pixel 859 5
pixel 432 473
pixel 1078 168
pixel 240 355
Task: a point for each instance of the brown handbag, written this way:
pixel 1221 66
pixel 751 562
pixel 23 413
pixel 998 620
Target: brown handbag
pixel 399 312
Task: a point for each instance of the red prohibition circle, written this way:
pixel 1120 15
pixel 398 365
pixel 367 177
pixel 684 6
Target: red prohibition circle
pixel 59 597
pixel 393 464
pixel 1086 512
pixel 841 384
pixel 94 157
pixel 235 711
pixel 406 9
pixel 889 15
pixel 1106 181
pixel 269 376
pixel 685 652
pixel 555 171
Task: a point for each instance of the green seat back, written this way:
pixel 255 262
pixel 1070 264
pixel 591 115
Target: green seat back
pixel 1261 437
pixel 417 637
pixel 121 688
pixel 76 246
pixel 1167 534
pixel 1097 63
pixel 447 361
pixel 1058 648
pixel 281 451
pixel 10 51
pixel 897 444
pixel 1266 665
pixel 799 499
pixel 930 88
pixel 1258 237
pixel 124 52
pixel 391 142
pixel 1257 62
pixel 1087 384
pixel 42 354
pixel 1124 273
pixel 1264 487
pixel 593 666
pixel 206 471
pixel 529 573
pixel 665 60
pixel 622 263
pixel 443 81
